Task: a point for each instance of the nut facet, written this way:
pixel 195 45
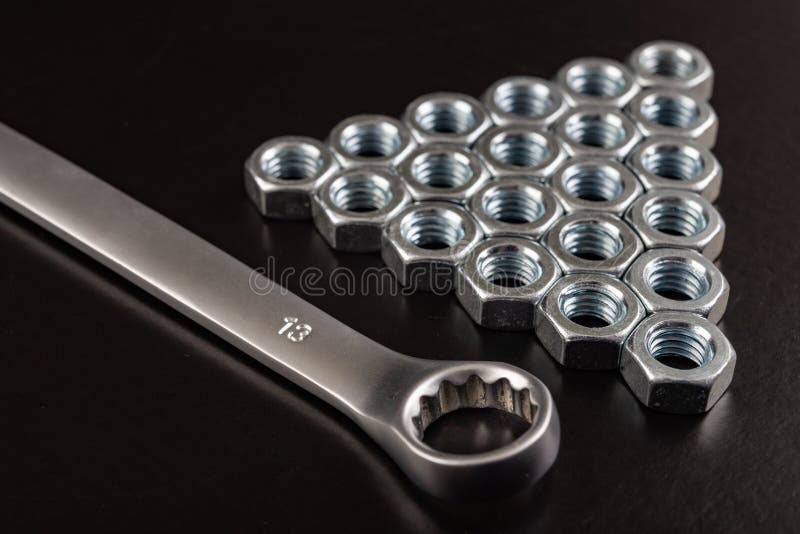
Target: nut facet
pixel 524 100
pixel 515 207
pixel 503 279
pixel 585 318
pixel 282 173
pixel 675 163
pixel 673 279
pixel 671 218
pixel 597 131
pixel 518 150
pixel 352 207
pixel 446 118
pixel 595 184
pixel 443 172
pixel 375 140
pixel 678 362
pixel 424 244
pixel 673 65
pixel 597 81
pixel 667 112
pixel 597 242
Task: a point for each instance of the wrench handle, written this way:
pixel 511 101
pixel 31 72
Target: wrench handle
pixel 277 328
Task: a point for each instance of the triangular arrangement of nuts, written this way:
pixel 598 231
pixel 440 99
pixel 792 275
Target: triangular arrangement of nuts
pixel 579 208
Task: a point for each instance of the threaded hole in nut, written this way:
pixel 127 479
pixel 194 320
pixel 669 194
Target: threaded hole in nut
pixel 373 140
pixel 597 130
pixel 668 62
pixel 593 182
pixel 596 80
pixel 591 241
pixel 508 266
pixel 675 279
pixel 674 162
pixel 433 229
pixel 447 117
pixel 524 99
pixel 513 205
pixel 292 162
pixel 363 192
pixel 442 169
pixel 520 149
pixel 676 216
pixel 593 305
pixel 673 111
pixel 680 346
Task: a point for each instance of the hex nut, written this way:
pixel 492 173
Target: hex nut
pixel 667 112
pixel 675 163
pixel 673 279
pixel 503 279
pixel 351 209
pixel 597 131
pixel 524 100
pixel 671 218
pixel 281 174
pixel 374 140
pixel 446 118
pixel 595 184
pixel 584 242
pixel 678 362
pixel 597 81
pixel 585 318
pixel 515 207
pixel 518 150
pixel 426 242
pixel 443 172
pixel 673 65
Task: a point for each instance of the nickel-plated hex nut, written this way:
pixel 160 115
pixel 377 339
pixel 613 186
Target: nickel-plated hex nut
pixel 597 131
pixel 597 242
pixel 281 174
pixel 443 172
pixel 674 279
pixel 503 279
pixel 515 207
pixel 375 140
pixel 671 218
pixel 446 118
pixel 585 318
pixel 524 100
pixel 673 65
pixel 426 242
pixel 597 81
pixel 518 150
pixel 667 112
pixel 675 163
pixel 595 184
pixel 678 362
pixel 352 207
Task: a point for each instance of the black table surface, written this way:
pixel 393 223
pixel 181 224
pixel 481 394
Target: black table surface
pixel 121 415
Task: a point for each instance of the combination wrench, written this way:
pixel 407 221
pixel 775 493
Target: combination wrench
pixel 391 396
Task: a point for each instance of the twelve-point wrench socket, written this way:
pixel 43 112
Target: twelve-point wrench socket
pixel 392 397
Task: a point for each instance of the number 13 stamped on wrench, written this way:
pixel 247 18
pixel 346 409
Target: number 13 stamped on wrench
pixel 391 396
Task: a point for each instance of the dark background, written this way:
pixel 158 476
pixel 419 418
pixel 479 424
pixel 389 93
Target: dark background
pixel 120 415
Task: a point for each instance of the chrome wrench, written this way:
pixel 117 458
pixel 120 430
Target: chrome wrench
pixel 391 396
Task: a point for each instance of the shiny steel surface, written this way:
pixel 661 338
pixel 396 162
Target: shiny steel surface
pixel 391 396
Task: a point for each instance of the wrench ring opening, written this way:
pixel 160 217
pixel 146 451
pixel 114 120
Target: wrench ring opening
pixel 503 470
